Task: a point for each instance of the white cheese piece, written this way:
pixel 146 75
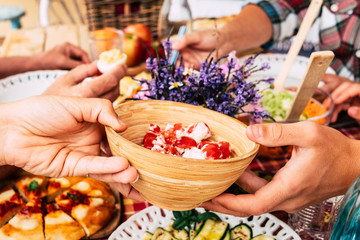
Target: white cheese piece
pixel 194 153
pixel 79 212
pixel 96 202
pixel 4 196
pixel 58 217
pixel 63 181
pixel 24 223
pixel 82 186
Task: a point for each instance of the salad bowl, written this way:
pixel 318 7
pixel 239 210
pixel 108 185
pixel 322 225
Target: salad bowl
pixel 174 182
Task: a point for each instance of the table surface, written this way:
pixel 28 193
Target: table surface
pixel 25 42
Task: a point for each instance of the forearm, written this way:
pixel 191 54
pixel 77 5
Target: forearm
pixel 353 169
pixel 3 127
pixel 14 65
pixel 250 29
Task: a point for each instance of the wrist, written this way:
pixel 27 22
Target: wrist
pixel 355 161
pixel 36 62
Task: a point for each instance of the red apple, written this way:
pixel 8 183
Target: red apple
pixel 141 30
pixel 134 48
pixel 153 48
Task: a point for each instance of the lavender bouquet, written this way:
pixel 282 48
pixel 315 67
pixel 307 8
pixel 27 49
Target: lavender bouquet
pixel 220 87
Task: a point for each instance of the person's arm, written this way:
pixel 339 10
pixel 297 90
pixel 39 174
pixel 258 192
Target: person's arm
pixel 323 164
pixel 64 56
pixel 250 29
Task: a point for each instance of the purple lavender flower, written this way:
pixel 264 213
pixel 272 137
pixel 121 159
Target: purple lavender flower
pixel 223 88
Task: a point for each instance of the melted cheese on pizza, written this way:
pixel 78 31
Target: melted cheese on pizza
pixel 6 195
pixel 24 223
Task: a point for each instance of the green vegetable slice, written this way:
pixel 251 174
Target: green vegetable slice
pixel 33 186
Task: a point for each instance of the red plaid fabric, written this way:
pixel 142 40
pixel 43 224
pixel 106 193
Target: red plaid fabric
pixel 338 27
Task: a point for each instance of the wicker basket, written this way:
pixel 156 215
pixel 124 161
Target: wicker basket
pixel 120 13
pixel 173 182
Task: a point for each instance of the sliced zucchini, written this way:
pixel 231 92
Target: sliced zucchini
pixel 198 225
pixel 262 237
pixel 162 234
pixel 180 234
pixel 227 235
pixel 212 229
pixel 147 235
pixel 192 234
pixel 241 232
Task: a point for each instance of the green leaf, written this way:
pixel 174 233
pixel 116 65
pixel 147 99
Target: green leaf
pixel 206 215
pixel 73 197
pixel 177 214
pixel 180 223
pixel 33 186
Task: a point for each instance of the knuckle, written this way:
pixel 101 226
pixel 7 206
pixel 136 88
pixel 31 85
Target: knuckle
pixel 276 132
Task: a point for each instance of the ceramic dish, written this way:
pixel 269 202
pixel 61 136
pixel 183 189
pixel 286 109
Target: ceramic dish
pixel 27 84
pixel 276 62
pixel 152 217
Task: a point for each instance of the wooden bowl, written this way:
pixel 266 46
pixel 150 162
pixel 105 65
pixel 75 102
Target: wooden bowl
pixel 173 182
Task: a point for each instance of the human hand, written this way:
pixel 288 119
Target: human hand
pixel 346 97
pixel 196 46
pixel 64 56
pixel 323 164
pixel 60 136
pixel 332 81
pixel 73 84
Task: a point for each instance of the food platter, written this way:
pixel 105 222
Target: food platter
pixel 152 217
pixel 24 85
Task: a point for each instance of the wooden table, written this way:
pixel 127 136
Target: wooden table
pixel 26 42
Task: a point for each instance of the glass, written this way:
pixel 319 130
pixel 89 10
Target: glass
pixel 313 222
pixel 273 153
pixel 347 224
pixel 105 39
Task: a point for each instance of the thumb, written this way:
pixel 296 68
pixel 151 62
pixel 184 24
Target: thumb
pixel 354 112
pixel 275 134
pixel 184 41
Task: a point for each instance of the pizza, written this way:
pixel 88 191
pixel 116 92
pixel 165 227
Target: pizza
pixel 59 225
pixel 10 204
pixel 27 224
pixel 89 212
pixel 91 188
pixel 31 187
pixel 55 208
pixel 56 186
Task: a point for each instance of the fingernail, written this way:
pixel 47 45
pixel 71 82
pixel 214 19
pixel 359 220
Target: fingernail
pixel 122 124
pixel 137 178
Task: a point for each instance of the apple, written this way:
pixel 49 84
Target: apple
pixel 141 30
pixel 134 48
pixel 153 48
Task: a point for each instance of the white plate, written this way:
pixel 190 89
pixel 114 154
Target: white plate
pixel 276 62
pixel 152 217
pixel 27 84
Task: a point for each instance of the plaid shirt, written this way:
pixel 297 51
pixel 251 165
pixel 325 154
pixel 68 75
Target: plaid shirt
pixel 338 25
